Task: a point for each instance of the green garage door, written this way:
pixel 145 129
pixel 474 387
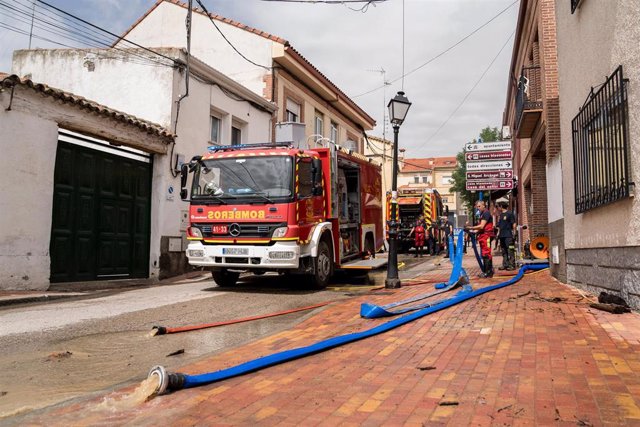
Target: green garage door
pixel 101 209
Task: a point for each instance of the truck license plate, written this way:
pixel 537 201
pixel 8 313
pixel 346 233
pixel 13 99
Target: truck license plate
pixel 235 251
pixel 219 229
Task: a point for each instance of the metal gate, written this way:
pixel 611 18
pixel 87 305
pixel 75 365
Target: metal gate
pixel 101 212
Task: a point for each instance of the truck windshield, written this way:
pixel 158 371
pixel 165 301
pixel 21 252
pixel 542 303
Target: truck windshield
pixel 260 179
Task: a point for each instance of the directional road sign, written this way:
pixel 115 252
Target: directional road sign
pixel 485 166
pixel 484 175
pixel 489 146
pixel 479 156
pixel 506 184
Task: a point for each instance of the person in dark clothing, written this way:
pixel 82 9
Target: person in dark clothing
pixel 467 239
pixel 506 229
pixel 484 232
pixel 433 239
pixel 447 228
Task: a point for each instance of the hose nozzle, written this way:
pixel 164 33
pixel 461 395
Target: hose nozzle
pixel 167 381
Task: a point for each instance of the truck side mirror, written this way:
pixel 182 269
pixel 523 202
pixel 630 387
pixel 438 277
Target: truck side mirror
pixel 184 171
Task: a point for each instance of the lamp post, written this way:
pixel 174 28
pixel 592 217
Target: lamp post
pixel 398 107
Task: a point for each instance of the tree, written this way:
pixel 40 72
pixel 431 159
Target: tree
pixel 490 135
pixel 459 175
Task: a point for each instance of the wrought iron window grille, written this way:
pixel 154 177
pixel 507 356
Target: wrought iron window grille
pixel 601 145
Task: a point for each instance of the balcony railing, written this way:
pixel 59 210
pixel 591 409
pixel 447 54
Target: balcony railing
pixel 528 101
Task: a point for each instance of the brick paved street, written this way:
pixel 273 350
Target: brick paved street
pixel 530 354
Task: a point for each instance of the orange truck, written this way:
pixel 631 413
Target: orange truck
pixel 276 208
pixel 413 202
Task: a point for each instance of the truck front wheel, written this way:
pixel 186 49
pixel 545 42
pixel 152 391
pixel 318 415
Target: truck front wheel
pixel 323 266
pixel 225 278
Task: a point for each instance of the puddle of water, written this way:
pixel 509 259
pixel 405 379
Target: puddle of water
pixel 52 373
pixel 14 412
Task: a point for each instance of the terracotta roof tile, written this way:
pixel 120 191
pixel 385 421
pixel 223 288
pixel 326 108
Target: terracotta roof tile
pixel 86 104
pixel 427 164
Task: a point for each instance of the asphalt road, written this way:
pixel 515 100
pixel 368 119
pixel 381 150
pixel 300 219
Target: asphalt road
pixel 55 351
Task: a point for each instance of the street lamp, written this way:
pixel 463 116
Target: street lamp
pixel 398 107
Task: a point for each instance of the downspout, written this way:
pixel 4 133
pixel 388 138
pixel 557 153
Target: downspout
pixel 274 101
pixel 186 84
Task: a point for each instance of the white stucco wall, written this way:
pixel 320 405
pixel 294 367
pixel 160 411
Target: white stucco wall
pixel 165 27
pixel 131 87
pixel 591 44
pixel 28 159
pixel 150 93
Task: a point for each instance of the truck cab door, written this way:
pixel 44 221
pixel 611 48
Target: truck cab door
pixel 310 199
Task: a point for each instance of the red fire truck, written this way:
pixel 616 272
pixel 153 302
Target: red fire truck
pixel 413 202
pixel 274 207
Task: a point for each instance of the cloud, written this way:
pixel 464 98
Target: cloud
pixel 347 46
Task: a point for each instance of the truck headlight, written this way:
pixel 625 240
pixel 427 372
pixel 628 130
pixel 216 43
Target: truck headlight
pixel 195 232
pixel 280 232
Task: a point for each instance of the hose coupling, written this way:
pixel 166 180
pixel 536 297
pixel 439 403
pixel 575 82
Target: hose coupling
pixel 167 381
pixel 160 330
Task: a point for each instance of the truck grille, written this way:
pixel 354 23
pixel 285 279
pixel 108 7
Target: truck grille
pixel 246 230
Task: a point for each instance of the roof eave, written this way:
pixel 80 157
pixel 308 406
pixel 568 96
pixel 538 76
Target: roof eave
pixel 299 66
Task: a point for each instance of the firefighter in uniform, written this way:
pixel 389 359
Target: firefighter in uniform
pixel 484 232
pixel 418 231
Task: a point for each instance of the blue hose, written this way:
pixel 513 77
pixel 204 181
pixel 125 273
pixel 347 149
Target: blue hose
pixel 475 250
pixel 296 353
pixel 458 275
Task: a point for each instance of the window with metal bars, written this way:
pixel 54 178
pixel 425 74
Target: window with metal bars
pixel 601 146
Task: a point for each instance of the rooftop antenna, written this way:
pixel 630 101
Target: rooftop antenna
pixel 385 83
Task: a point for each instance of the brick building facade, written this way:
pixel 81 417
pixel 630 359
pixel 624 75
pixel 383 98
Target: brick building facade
pixel 532 111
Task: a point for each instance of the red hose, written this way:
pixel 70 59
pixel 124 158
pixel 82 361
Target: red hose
pixel 162 330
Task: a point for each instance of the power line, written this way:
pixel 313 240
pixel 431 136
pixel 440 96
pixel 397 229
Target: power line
pixel 227 40
pixel 430 60
pixel 471 90
pixel 58 43
pixel 326 1
pixel 60 25
pixel 103 30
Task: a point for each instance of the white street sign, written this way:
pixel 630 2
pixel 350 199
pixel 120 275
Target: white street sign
pixel 489 146
pixel 479 166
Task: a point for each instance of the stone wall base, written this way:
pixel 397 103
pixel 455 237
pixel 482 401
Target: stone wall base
pixel 613 270
pixel 171 263
pixel 556 238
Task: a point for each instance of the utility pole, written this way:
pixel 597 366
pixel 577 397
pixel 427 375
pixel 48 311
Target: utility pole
pixel 33 14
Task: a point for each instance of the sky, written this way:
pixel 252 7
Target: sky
pixel 353 47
